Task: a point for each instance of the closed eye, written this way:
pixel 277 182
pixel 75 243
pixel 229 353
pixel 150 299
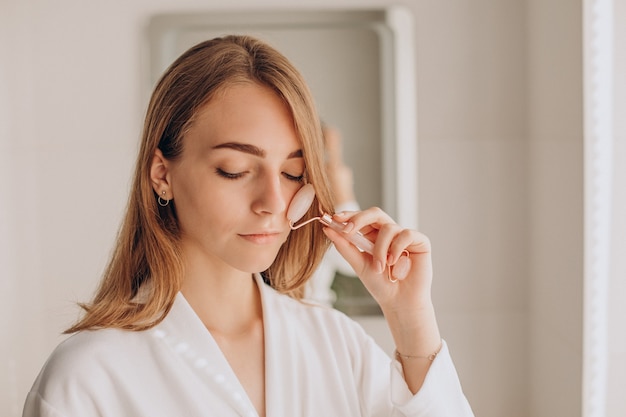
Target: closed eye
pixel 295 178
pixel 229 175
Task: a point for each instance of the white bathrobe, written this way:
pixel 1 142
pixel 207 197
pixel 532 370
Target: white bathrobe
pixel 318 363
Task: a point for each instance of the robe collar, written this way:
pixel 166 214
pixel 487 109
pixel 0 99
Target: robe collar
pixel 188 338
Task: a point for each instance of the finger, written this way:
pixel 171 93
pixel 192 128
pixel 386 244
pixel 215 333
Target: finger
pixel 401 268
pixel 403 240
pixel 368 223
pixel 420 243
pixel 382 246
pixel 409 246
pixel 349 226
pixel 373 217
pixel 357 260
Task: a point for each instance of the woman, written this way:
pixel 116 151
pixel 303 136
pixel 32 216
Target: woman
pixel 198 313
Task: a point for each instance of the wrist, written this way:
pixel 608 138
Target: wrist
pixel 414 332
pixel 411 315
pixel 431 357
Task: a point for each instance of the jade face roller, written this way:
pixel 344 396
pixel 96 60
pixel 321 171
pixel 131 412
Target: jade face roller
pixel 301 203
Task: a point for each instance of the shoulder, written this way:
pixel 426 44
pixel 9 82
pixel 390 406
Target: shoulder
pixel 84 357
pixel 89 345
pixel 90 371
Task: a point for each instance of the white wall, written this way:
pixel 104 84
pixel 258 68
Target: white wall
pixel 71 108
pixel 556 211
pixel 473 190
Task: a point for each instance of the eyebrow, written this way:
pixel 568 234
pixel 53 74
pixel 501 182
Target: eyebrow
pixel 253 150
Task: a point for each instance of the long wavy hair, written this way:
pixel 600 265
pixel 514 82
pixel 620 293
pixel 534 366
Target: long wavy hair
pixel 147 254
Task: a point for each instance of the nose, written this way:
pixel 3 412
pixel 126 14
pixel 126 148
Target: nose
pixel 270 196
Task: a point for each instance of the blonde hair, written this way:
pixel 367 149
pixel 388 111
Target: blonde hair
pixel 147 253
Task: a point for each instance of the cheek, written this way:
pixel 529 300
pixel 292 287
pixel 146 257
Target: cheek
pixel 291 189
pixel 196 206
pixel 215 210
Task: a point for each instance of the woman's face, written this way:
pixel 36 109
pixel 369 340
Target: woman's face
pixel 240 167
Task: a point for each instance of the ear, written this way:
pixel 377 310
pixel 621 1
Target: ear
pixel 160 176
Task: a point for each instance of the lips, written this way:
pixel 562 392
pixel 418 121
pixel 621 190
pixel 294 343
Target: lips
pixel 262 238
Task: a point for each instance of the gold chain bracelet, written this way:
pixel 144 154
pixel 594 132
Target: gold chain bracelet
pixel 430 357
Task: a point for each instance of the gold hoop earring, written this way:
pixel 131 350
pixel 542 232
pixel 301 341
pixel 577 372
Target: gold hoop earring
pixel 162 201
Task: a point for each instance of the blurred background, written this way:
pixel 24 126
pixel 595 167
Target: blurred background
pixel 524 208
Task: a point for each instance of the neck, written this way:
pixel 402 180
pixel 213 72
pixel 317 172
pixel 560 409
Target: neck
pixel 226 300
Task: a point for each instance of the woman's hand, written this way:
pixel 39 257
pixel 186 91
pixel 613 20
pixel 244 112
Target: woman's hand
pixel 412 290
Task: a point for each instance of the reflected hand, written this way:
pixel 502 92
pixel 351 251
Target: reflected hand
pixel 340 175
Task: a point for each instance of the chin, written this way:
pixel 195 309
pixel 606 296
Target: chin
pixel 256 265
